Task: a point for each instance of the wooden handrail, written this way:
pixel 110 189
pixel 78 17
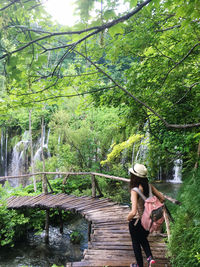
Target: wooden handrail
pixel 81 173
pixel 94 185
pixel 41 173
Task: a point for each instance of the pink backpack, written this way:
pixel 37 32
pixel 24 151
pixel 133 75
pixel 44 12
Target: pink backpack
pixel 152 217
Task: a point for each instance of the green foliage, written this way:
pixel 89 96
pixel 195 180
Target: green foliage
pixel 116 190
pixel 154 55
pixel 79 140
pixel 76 237
pixel 159 68
pixel 11 225
pixel 185 236
pixel 117 149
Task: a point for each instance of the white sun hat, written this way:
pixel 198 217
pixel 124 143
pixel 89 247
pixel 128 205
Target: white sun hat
pixel 139 170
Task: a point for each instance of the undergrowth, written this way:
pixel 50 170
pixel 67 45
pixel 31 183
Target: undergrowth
pixel 185 233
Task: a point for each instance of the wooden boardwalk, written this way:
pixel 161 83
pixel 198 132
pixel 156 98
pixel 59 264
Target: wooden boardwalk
pixel 110 243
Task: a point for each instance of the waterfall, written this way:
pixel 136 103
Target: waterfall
pixel 177 171
pixel 3 156
pixel 45 141
pixel 19 159
pixel 160 174
pixel 142 152
pixel 124 156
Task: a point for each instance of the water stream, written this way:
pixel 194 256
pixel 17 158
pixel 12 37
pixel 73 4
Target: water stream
pixel 33 252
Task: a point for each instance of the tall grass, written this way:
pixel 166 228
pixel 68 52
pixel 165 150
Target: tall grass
pixel 185 236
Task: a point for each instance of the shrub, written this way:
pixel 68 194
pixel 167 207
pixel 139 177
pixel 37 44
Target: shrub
pixel 76 237
pixel 11 225
pixel 185 237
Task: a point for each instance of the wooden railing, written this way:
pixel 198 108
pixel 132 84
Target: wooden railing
pixel 66 175
pixel 94 185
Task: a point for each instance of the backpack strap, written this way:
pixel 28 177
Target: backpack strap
pixel 150 191
pixel 137 190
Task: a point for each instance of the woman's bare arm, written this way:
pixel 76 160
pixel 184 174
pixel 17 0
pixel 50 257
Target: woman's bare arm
pixel 158 194
pixel 133 211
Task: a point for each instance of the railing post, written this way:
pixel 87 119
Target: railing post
pixel 47 227
pixel 64 183
pixel 167 223
pixel 98 188
pixel 93 186
pixel 44 184
pixel 89 231
pixel 61 222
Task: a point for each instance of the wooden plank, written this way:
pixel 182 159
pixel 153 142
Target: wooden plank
pixel 32 199
pixel 18 202
pixel 112 263
pixel 110 242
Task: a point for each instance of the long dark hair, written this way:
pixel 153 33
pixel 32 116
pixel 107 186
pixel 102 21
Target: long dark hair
pixel 136 181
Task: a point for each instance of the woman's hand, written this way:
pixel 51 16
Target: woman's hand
pixel 130 216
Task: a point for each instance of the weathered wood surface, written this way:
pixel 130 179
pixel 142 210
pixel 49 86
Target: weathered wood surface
pixel 110 243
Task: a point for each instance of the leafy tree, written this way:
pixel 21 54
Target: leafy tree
pixel 144 59
pixel 81 139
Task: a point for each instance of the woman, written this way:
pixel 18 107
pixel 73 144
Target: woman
pixel 138 233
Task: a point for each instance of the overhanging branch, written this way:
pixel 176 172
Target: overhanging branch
pixel 68 96
pixel 181 61
pixel 168 125
pixel 96 30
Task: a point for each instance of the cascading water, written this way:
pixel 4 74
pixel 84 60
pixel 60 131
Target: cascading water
pixel 142 152
pixel 38 155
pixel 4 152
pixel 19 162
pixel 177 171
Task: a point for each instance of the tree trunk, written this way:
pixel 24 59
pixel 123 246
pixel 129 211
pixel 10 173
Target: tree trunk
pixel 61 222
pixel 31 148
pixel 47 227
pixel 44 180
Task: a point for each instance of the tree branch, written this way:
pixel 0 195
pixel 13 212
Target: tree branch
pixel 168 29
pixel 68 96
pixel 178 63
pixel 96 30
pixel 62 76
pixel 69 50
pixel 189 89
pixel 11 3
pixel 168 125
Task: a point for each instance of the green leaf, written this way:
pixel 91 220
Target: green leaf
pixel 133 3
pixel 109 14
pixel 117 29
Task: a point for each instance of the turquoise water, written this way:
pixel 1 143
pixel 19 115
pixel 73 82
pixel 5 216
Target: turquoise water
pixel 33 252
pixel 169 189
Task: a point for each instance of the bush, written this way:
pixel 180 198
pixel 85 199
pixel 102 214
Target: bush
pixel 11 225
pixel 76 237
pixel 185 236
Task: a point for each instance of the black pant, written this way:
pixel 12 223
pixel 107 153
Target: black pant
pixel 139 238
